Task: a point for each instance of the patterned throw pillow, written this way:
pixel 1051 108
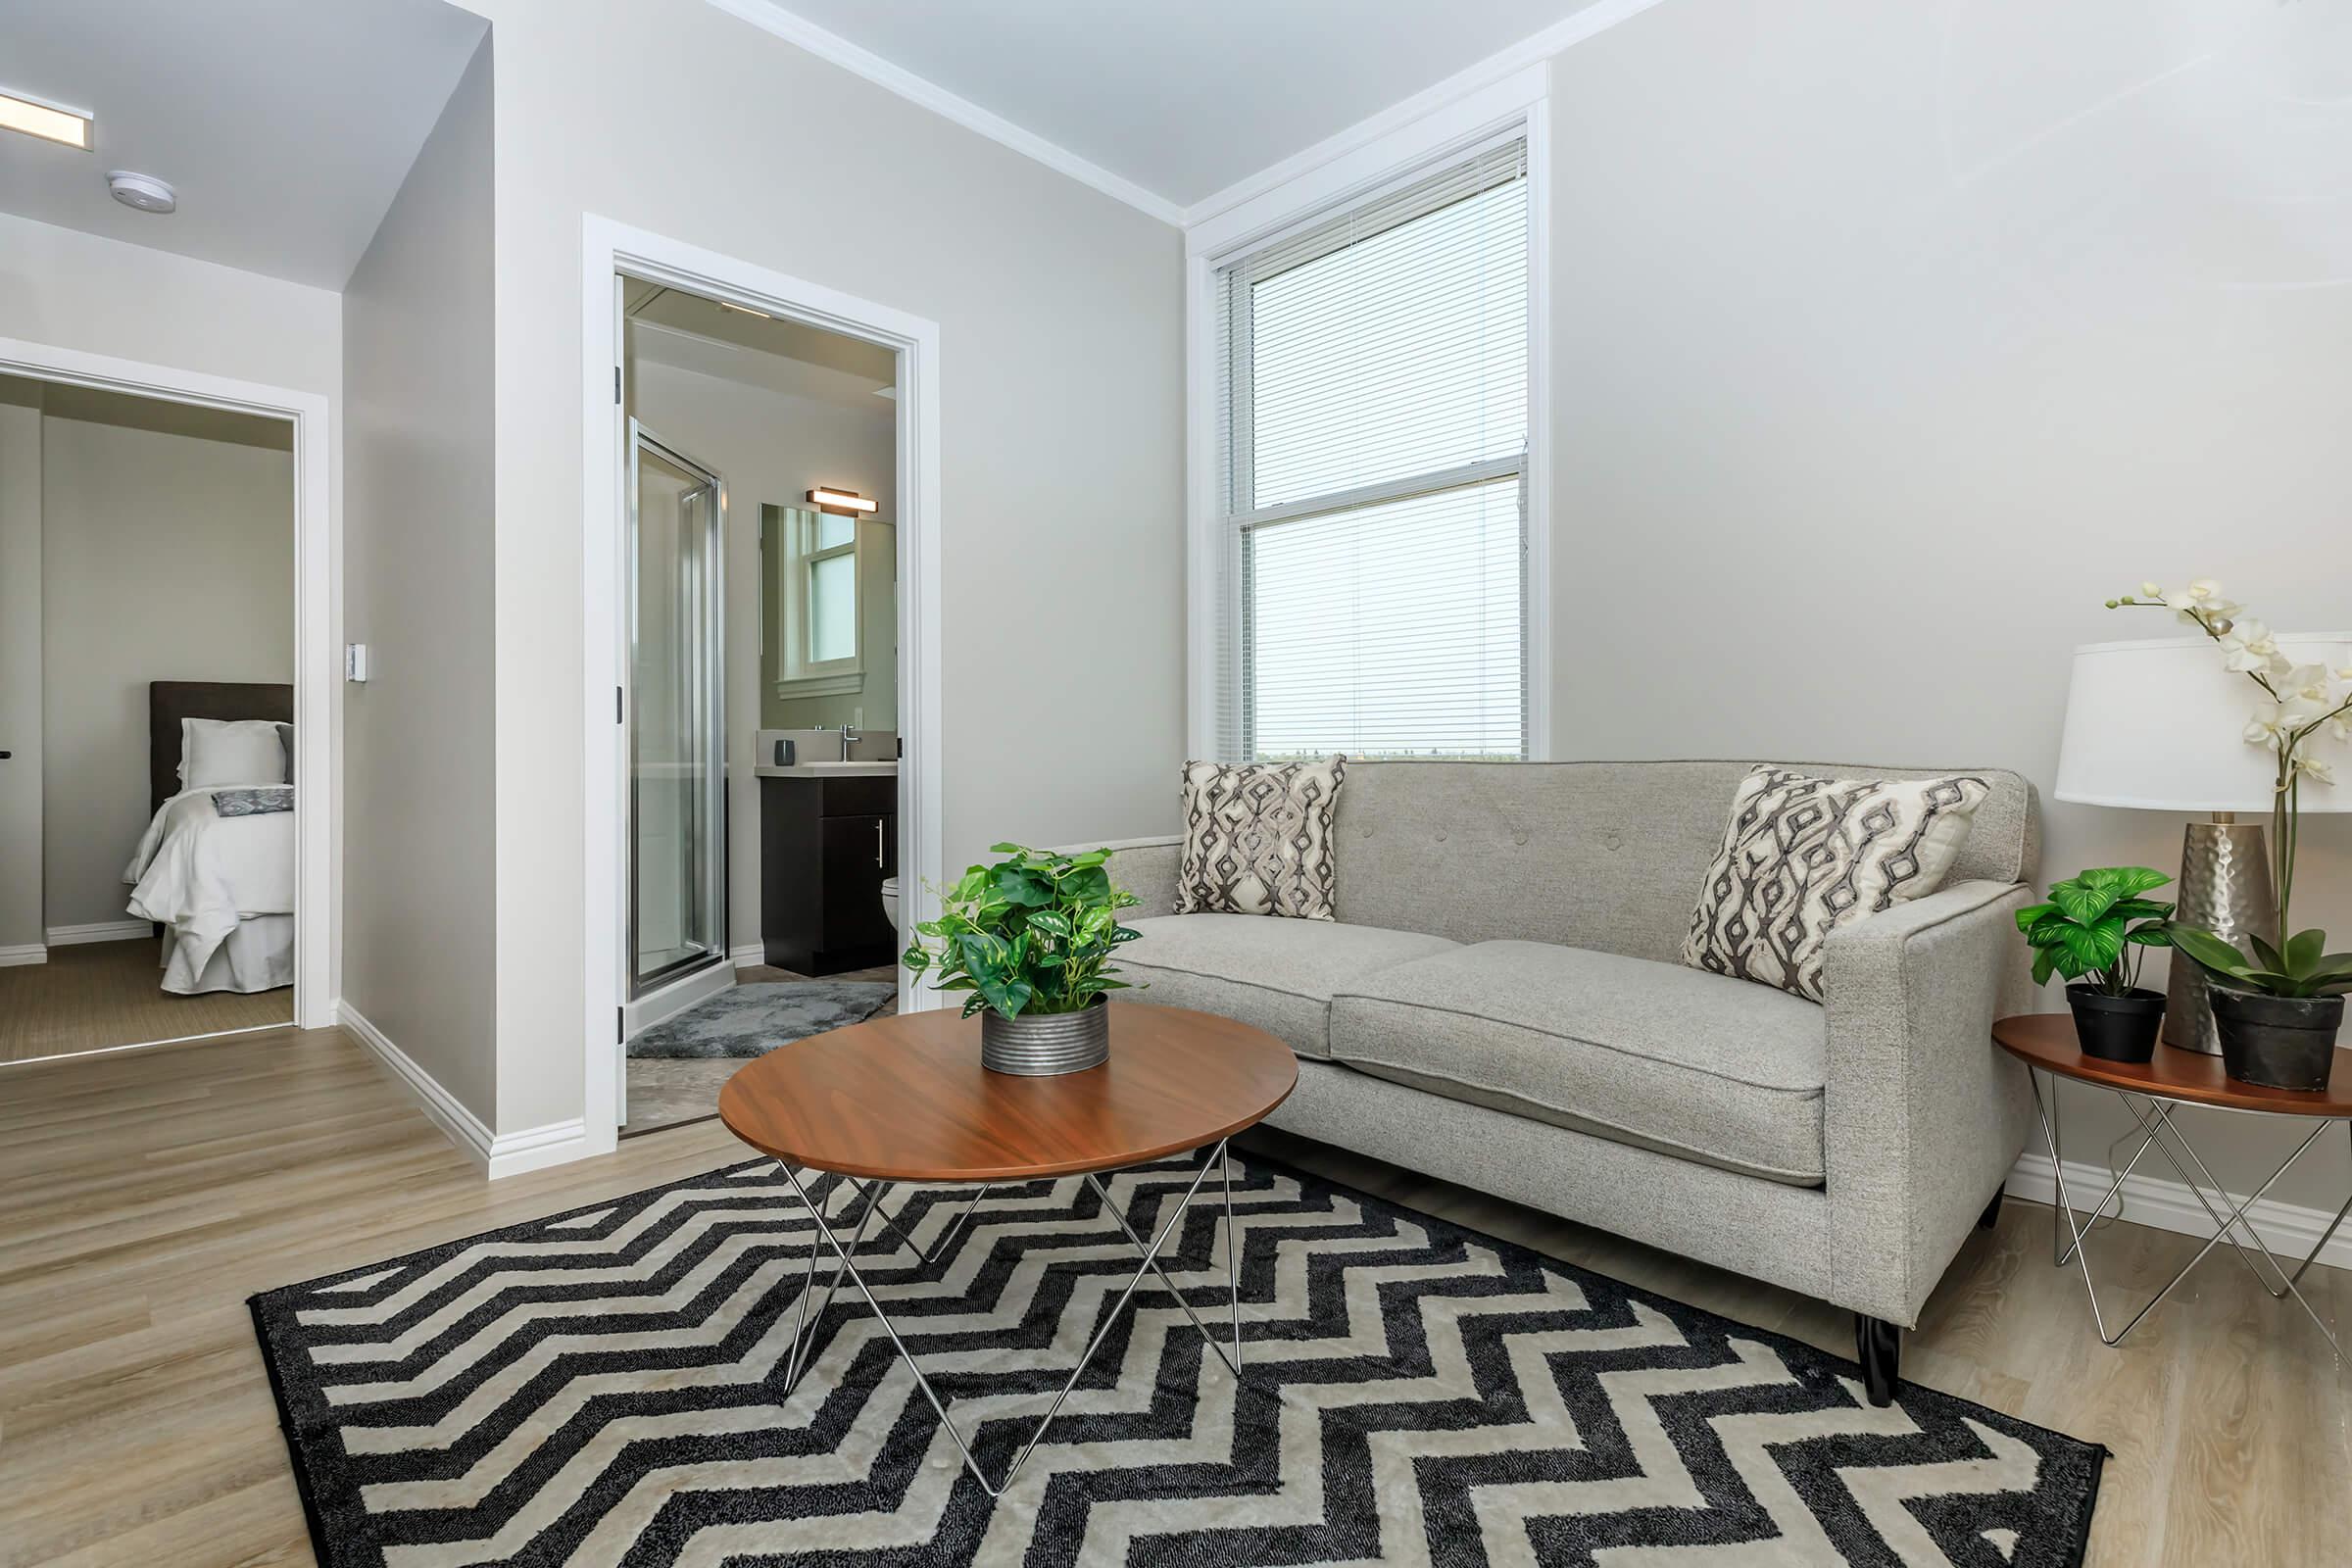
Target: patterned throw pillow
pixel 1802 857
pixel 1257 839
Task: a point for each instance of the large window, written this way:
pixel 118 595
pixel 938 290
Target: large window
pixel 1373 391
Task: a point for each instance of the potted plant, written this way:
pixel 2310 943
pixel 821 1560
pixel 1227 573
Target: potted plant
pixel 2277 1011
pixel 2095 930
pixel 1030 938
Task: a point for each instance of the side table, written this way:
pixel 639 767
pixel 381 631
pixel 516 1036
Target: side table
pixel 2045 1042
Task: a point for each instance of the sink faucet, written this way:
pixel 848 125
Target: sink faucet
pixel 848 737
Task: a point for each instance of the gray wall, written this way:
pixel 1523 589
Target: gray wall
pixel 1061 378
pixel 1891 340
pixel 420 882
pixel 768 447
pixel 164 557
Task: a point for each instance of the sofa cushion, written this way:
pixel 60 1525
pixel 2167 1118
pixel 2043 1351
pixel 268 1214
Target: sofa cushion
pixel 1275 975
pixel 1688 1064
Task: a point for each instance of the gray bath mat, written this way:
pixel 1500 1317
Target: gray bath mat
pixel 752 1020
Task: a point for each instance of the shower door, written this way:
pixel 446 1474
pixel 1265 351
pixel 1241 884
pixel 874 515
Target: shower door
pixel 676 717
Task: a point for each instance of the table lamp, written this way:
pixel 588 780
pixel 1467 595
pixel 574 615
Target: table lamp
pixel 2160 726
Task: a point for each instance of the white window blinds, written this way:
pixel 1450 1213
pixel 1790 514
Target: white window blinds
pixel 1373 381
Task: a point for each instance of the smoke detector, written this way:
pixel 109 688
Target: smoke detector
pixel 143 191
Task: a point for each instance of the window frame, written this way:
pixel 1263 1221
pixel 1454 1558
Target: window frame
pixel 795 577
pixel 1352 177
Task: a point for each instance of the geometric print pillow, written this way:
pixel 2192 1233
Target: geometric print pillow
pixel 1802 857
pixel 1257 839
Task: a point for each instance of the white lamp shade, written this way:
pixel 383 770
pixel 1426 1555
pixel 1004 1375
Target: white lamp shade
pixel 2161 725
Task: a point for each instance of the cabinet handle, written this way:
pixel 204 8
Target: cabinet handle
pixel 879 862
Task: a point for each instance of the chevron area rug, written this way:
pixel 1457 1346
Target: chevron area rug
pixel 605 1388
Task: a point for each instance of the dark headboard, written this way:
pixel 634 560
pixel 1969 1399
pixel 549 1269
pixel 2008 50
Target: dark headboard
pixel 170 701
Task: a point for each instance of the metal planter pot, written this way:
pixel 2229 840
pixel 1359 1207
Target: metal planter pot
pixel 2278 1041
pixel 1040 1045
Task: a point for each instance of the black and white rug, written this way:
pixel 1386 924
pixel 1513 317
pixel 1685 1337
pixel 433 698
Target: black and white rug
pixel 602 1388
pixel 750 1020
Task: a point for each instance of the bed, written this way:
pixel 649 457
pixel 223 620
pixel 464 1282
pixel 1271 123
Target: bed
pixel 214 869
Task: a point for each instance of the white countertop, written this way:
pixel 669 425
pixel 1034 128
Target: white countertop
pixel 829 770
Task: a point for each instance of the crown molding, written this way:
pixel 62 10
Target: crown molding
pixel 1533 50
pixel 771 17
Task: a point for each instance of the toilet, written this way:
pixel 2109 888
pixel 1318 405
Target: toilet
pixel 890 900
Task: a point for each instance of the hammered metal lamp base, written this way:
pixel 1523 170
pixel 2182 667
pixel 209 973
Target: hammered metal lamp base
pixel 2226 889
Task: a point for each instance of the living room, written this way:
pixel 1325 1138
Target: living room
pixel 1583 566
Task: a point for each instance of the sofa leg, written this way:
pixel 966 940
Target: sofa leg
pixel 1991 1216
pixel 1879 1347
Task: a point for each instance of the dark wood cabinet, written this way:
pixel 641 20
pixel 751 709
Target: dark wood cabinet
pixel 825 845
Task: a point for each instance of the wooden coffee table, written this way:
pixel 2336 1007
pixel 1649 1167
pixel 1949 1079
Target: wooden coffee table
pixel 2045 1042
pixel 906 1100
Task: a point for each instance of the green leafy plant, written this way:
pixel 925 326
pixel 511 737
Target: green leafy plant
pixel 1033 933
pixel 2096 927
pixel 2299 969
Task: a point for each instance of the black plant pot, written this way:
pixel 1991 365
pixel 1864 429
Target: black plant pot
pixel 2278 1041
pixel 2115 1028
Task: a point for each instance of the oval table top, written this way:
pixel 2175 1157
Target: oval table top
pixel 2046 1040
pixel 905 1099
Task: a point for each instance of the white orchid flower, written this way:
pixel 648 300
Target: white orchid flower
pixel 2267 727
pixel 2304 682
pixel 2249 647
pixel 2318 769
pixel 2148 590
pixel 2205 588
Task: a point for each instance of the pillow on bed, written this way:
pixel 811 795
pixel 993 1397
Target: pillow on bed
pixel 241 750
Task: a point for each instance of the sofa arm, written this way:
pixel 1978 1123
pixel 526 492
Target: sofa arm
pixel 1145 867
pixel 1922 1114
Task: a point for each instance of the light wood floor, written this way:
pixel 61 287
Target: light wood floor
pixel 98 994
pixel 144 1195
pixel 669 1094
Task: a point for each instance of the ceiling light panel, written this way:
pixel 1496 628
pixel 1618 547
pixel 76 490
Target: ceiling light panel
pixel 48 121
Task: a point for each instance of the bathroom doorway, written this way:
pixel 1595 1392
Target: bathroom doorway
pixel 762 695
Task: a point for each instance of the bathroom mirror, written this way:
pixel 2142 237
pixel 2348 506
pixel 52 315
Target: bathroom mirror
pixel 829 621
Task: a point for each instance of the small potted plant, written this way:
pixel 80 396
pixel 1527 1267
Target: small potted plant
pixel 2094 930
pixel 2277 1013
pixel 1030 938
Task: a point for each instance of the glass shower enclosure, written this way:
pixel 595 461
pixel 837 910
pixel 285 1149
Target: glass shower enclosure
pixel 676 716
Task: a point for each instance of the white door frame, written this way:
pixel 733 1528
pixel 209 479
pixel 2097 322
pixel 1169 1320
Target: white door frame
pixel 608 248
pixel 318 622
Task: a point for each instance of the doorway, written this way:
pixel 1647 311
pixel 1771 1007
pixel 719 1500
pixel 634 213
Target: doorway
pixel 904 558
pixel 119 953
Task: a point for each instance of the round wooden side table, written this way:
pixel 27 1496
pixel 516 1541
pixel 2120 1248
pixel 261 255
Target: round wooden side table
pixel 2151 1090
pixel 906 1100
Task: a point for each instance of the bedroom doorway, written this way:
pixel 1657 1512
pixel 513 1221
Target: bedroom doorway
pixel 164 537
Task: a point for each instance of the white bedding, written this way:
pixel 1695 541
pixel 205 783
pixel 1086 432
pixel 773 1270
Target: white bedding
pixel 200 873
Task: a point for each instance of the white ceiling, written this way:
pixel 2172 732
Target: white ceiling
pixel 1183 97
pixel 287 125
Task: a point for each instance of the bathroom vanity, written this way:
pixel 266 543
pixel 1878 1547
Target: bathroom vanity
pixel 828 837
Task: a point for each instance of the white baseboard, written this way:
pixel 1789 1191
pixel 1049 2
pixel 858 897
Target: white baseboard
pixel 28 953
pixel 443 1108
pixel 2170 1205
pixel 676 997
pixel 65 936
pixel 750 954
pixel 498 1155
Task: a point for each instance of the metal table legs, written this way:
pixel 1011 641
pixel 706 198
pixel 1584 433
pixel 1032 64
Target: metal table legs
pixel 2156 1126
pixel 866 1200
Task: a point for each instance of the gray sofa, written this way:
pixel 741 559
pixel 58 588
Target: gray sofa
pixel 1500 1004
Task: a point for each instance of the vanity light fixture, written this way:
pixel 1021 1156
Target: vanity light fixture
pixel 744 310
pixel 48 121
pixel 825 499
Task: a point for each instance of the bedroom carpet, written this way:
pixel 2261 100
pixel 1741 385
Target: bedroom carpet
pixel 604 1386
pixel 94 994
